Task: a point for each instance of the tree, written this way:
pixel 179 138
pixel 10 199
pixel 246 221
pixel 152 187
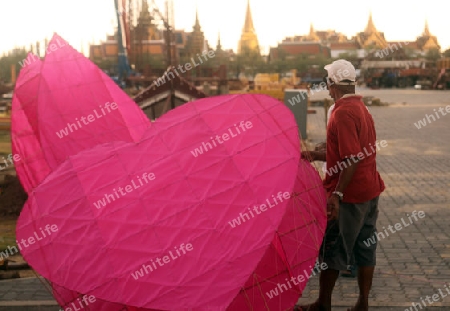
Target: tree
pixel 433 55
pixel 351 56
pixel 447 53
pixel 249 61
pixel 280 63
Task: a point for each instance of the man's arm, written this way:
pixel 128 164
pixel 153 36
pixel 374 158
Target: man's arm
pixel 312 156
pixel 345 177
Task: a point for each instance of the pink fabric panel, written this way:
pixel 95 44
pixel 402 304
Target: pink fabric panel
pixel 79 107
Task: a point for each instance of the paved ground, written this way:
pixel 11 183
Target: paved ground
pixel 413 262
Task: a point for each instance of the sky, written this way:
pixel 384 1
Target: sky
pixel 81 22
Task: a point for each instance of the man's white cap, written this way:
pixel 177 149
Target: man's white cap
pixel 341 70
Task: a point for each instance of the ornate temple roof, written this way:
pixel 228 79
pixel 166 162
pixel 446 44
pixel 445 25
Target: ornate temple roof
pixel 196 40
pixel 312 36
pixel 371 37
pixel 427 41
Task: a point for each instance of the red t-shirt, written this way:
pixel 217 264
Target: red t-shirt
pixel 351 133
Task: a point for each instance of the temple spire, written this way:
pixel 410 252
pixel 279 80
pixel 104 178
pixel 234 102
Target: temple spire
pixel 219 45
pixel 312 34
pixel 426 31
pixel 248 26
pixel 370 28
pixel 197 28
pixel 249 40
pixel 196 40
pixel 144 11
pixel 197 22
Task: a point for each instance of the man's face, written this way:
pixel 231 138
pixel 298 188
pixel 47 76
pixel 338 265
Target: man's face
pixel 331 88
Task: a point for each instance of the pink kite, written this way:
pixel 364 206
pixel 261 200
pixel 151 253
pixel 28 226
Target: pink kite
pixel 28 128
pixel 210 161
pixel 64 105
pixel 32 167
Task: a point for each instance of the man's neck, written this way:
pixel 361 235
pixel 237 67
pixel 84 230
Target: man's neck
pixel 345 95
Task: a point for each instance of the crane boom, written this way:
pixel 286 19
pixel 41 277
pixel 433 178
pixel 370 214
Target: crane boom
pixel 124 66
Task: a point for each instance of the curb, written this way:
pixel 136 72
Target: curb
pixel 42 305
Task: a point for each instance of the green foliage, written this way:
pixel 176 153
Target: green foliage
pixel 433 55
pixel 446 53
pixel 8 233
pixel 247 62
pixel 351 56
pixel 410 53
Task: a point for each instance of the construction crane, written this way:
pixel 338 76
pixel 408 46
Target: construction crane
pixel 124 69
pixel 124 41
pixel 124 24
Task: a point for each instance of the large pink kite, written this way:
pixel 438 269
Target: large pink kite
pixel 210 208
pixel 31 136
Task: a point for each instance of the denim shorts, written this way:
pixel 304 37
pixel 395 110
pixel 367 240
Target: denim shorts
pixel 351 239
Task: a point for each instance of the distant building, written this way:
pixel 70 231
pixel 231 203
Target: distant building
pixel 107 50
pixel 146 42
pixel 369 43
pixel 249 40
pixel 221 54
pixel 149 43
pixel 427 41
pixel 371 37
pixel 289 49
pixel 196 43
pixel 311 44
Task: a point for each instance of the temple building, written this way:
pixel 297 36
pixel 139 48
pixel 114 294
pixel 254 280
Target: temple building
pixel 312 36
pixel 371 37
pixel 249 40
pixel 147 41
pixel 364 44
pixel 290 48
pixel 196 40
pixel 148 44
pixel 314 43
pixel 146 29
pixel 427 41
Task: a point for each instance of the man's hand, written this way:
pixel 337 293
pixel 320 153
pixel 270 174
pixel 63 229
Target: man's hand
pixel 312 156
pixel 333 207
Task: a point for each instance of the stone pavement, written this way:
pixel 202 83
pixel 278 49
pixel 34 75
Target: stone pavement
pixel 413 262
pixel 28 294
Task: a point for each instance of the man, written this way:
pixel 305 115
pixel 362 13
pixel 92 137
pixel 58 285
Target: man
pixel 353 186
